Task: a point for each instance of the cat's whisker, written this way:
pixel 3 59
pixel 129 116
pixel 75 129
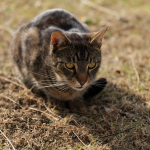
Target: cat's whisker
pixel 38 74
pixel 44 85
pixel 43 81
pixel 49 77
pixel 53 85
pixel 36 82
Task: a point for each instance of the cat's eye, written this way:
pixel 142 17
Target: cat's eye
pixel 91 65
pixel 69 65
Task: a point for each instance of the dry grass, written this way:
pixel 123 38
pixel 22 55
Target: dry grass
pixel 28 123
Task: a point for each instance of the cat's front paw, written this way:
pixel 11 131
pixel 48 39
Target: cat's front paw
pixel 95 88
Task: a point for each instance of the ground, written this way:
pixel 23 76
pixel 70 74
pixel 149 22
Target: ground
pixel 28 122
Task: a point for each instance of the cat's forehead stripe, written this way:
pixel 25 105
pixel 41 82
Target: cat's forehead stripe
pixel 82 54
pixel 81 50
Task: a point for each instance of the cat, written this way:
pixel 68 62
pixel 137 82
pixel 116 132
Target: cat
pixel 57 54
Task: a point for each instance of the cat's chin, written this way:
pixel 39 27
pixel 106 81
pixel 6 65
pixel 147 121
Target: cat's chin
pixel 78 88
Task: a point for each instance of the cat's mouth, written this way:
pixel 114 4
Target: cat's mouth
pixel 79 87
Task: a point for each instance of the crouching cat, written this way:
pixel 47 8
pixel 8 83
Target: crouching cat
pixel 57 54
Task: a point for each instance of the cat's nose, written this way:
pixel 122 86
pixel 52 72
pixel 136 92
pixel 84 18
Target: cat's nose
pixel 82 79
pixel 82 82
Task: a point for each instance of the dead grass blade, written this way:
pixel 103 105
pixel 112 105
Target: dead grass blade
pixel 9 30
pixel 78 138
pixel 51 112
pixel 1 95
pixel 6 79
pixel 101 8
pixel 44 113
pixel 135 70
pixel 7 139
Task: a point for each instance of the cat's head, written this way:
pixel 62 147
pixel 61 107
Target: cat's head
pixel 76 57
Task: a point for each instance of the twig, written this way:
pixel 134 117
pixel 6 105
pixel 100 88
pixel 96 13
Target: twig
pixel 1 95
pixel 135 70
pixel 43 112
pixel 20 81
pixel 6 79
pixel 9 30
pixel 51 112
pixel 75 122
pixel 7 139
pixel 101 8
pixel 78 138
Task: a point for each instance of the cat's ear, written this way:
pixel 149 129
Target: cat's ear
pixel 59 39
pixel 98 36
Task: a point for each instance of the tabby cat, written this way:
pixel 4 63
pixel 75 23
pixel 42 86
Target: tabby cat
pixel 56 53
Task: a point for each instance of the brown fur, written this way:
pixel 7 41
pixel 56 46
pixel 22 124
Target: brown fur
pixel 42 47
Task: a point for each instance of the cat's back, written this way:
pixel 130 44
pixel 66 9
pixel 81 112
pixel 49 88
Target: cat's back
pixel 59 18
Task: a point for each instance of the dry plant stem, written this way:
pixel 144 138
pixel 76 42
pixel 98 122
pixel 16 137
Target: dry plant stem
pixel 135 70
pixel 44 113
pixel 76 123
pixel 101 8
pixel 54 126
pixel 6 79
pixel 104 147
pixel 20 81
pixel 10 31
pixel 78 138
pixel 51 112
pixel 7 139
pixel 1 95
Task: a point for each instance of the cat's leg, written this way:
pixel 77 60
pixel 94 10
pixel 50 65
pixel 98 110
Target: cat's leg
pixel 95 88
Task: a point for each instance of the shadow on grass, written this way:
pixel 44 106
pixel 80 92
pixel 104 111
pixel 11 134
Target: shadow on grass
pixel 43 125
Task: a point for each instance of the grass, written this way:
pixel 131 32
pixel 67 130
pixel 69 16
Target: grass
pixel 30 124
